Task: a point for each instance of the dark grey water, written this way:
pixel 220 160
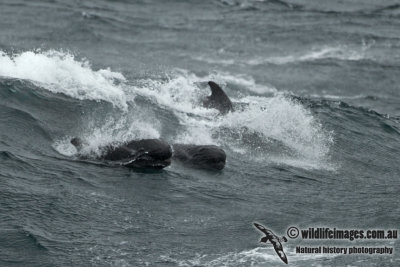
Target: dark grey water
pixel 316 143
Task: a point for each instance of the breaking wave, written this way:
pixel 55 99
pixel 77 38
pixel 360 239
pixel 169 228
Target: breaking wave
pixel 61 72
pixel 272 128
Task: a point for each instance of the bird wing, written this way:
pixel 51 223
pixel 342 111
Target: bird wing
pixel 279 250
pixel 261 228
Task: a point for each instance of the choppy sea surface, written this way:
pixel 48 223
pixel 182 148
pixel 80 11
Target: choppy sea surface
pixel 315 142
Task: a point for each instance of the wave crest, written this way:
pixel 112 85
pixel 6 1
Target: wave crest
pixel 60 72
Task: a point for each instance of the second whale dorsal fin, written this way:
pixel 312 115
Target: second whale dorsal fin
pixel 218 99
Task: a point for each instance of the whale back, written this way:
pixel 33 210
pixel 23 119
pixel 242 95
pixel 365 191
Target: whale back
pixel 156 148
pixel 200 156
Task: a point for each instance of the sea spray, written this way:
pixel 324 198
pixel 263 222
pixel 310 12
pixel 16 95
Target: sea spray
pixel 61 72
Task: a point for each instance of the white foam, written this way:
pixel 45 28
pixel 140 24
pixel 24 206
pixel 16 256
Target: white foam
pixel 64 146
pixel 113 131
pixel 273 118
pixel 282 119
pixel 342 52
pixel 260 256
pixel 246 82
pixel 179 92
pixel 60 72
pixel 218 61
pixel 338 97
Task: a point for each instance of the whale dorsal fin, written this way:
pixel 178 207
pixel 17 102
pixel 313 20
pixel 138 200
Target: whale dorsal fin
pixel 216 90
pixel 218 99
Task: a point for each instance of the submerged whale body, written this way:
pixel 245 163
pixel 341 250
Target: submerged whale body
pixel 202 157
pixel 157 154
pixel 145 153
pixel 218 99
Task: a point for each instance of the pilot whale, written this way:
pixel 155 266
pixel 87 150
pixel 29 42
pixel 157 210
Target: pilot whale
pixel 157 154
pixel 199 156
pixel 218 99
pixel 144 153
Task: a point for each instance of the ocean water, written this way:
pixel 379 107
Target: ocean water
pixel 315 139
